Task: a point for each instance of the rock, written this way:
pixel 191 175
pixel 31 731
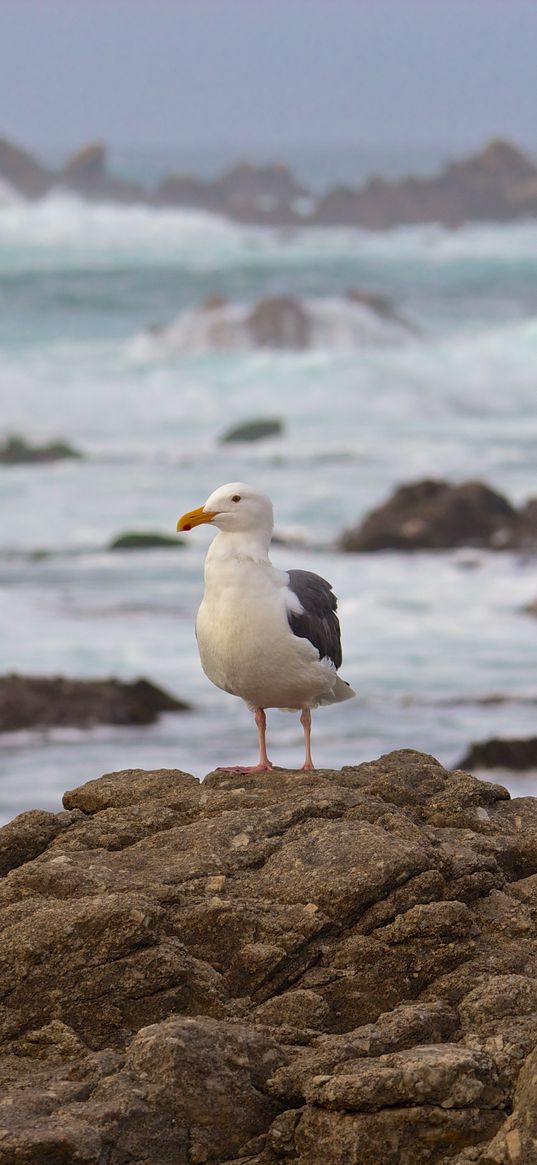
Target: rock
pixel 48 702
pixel 87 165
pixel 325 967
pixel 502 754
pixel 17 451
pixel 279 321
pixel 495 184
pixel 256 430
pixel 435 515
pixel 259 193
pixel 86 172
pixel 22 171
pixel 145 540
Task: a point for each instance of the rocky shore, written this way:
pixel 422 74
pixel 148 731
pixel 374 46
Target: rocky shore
pixel 330 968
pixel 498 183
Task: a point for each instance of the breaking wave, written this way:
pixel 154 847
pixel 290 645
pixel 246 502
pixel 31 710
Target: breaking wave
pixel 329 323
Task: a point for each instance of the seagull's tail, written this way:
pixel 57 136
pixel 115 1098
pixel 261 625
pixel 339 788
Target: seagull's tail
pixel 341 691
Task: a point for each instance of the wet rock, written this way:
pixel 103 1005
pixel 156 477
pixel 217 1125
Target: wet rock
pixel 145 540
pixel 279 321
pixel 496 753
pixel 435 515
pixel 48 702
pixel 256 430
pixel 324 967
pixel 17 451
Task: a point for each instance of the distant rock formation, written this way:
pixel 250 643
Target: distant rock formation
pixel 244 191
pixel 17 451
pixel 255 430
pixel 436 515
pixel 145 540
pixel 52 702
pixel 321 968
pixel 510 754
pixel 497 183
pixel 23 172
pixel 86 172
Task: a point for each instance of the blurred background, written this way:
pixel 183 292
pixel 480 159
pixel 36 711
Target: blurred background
pixel 317 220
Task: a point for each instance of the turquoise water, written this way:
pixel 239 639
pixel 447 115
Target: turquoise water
pixel 367 407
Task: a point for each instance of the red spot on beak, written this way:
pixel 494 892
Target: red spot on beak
pixel 187 527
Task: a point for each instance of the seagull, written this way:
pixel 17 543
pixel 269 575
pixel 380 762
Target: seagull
pixel 269 636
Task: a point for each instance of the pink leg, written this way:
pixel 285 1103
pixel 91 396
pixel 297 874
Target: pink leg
pixel 263 765
pixel 305 720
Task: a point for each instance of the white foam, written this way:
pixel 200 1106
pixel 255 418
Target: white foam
pixel 336 324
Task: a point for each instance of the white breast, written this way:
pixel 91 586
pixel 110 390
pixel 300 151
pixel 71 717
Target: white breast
pixel 245 642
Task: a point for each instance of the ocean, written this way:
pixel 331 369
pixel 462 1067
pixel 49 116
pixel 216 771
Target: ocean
pixel 428 638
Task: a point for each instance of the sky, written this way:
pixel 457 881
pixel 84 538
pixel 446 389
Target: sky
pixel 268 73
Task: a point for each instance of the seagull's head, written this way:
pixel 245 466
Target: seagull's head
pixel 236 508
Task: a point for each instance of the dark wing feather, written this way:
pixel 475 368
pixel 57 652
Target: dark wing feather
pixel 318 622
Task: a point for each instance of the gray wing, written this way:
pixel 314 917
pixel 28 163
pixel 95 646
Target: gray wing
pixel 318 622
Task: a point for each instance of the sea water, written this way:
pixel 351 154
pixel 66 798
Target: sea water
pixel 428 638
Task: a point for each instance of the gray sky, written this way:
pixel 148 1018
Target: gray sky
pixel 268 72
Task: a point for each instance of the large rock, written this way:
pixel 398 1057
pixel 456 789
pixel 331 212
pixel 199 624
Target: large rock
pixel 17 451
pixel 53 701
pixel 258 192
pixel 279 321
pixel 326 968
pixel 436 515
pixel 22 171
pixel 497 183
pixel 502 754
pixel 86 172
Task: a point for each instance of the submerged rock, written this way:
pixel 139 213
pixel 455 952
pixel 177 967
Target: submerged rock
pixel 502 754
pixel 53 701
pixel 17 451
pixel 325 967
pixel 256 430
pixel 280 322
pixel 436 515
pixel 145 540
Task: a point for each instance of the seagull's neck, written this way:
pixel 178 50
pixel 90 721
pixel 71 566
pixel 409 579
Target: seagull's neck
pixel 251 545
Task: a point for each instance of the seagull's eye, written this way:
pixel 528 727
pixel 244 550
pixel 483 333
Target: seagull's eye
pixel 236 498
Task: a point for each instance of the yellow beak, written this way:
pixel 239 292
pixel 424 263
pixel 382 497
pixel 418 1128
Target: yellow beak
pixel 195 518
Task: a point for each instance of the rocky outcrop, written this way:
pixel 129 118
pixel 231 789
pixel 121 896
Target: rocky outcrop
pixel 22 171
pixel 243 191
pixel 502 754
pixel 145 540
pixel 324 968
pixel 86 172
pixel 256 430
pixel 498 183
pixel 436 515
pixel 52 702
pixel 17 451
